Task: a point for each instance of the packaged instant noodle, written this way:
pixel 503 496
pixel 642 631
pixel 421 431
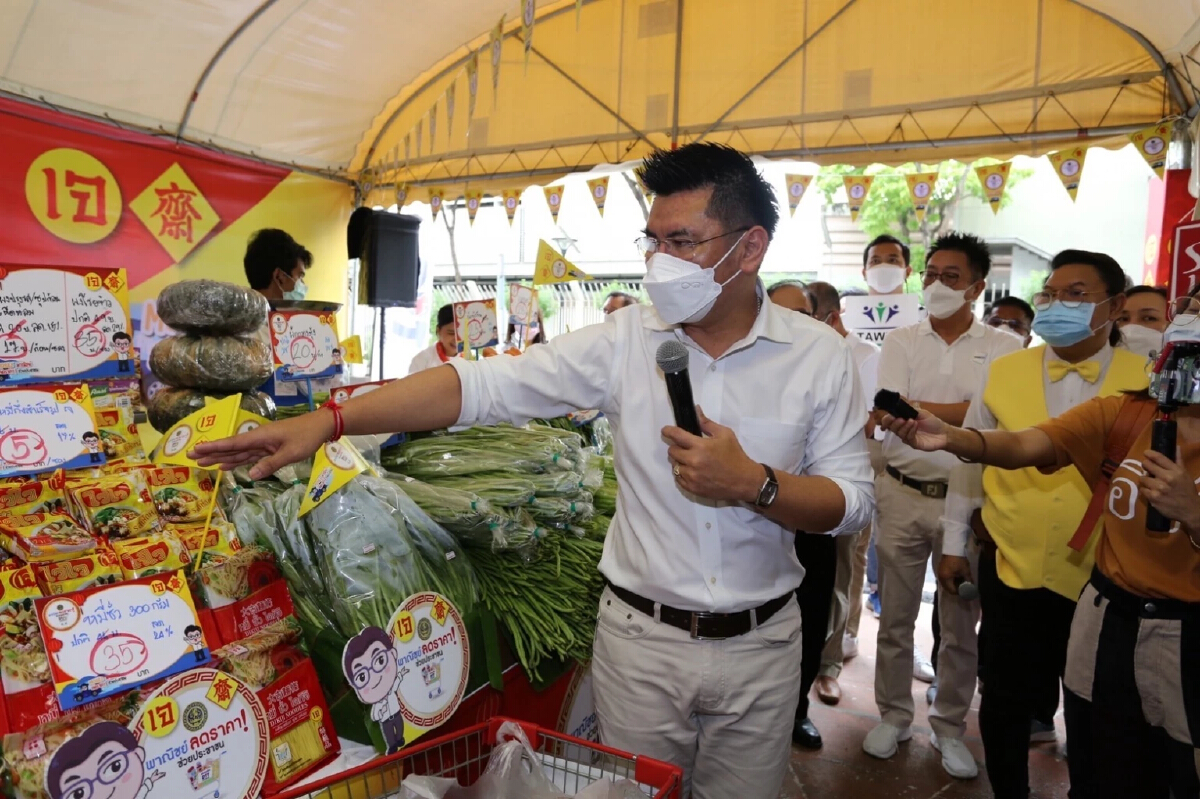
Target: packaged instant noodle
pixel 118 506
pixel 181 495
pixel 154 554
pixel 75 574
pixel 259 660
pixel 218 540
pixel 237 576
pixel 46 495
pixel 44 537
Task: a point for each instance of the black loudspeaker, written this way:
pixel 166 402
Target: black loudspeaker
pixel 356 231
pixel 390 262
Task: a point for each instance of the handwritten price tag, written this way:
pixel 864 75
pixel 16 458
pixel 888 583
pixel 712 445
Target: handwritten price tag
pixel 108 639
pixel 304 344
pixel 43 428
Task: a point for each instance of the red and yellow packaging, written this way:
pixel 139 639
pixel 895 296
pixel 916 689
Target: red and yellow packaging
pixel 46 495
pixel 44 537
pixel 154 554
pixel 118 507
pixel 181 495
pixel 64 576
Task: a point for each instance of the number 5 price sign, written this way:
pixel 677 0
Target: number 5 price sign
pixel 43 428
pixel 108 639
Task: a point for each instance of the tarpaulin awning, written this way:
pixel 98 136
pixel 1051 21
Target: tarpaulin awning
pixel 340 87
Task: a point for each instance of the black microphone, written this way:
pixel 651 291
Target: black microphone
pixel 968 590
pixel 672 358
pixel 1162 440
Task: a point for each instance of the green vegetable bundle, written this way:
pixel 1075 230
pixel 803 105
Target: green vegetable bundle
pixel 484 449
pixel 605 496
pixel 468 517
pixel 559 512
pixel 504 490
pixel 547 604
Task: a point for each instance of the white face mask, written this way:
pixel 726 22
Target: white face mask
pixel 1142 340
pixel 885 278
pixel 683 292
pixel 942 301
pixel 1182 328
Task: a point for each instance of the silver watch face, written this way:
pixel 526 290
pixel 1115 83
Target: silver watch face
pixel 768 494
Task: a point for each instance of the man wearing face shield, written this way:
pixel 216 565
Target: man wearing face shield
pixel 697 653
pixel 937 364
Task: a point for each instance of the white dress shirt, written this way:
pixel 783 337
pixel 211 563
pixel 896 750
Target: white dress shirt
pixel 965 495
pixel 866 357
pixel 790 392
pixel 425 359
pixel 918 364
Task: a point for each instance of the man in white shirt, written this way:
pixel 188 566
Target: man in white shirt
pixel 697 652
pixel 827 308
pixel 443 348
pixel 937 364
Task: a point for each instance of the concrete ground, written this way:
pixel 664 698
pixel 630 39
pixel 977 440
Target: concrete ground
pixel 841 769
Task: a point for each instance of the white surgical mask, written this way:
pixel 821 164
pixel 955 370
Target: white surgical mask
pixel 886 278
pixel 1182 328
pixel 683 292
pixel 942 301
pixel 1141 340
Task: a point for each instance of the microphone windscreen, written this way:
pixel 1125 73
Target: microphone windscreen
pixel 968 591
pixel 672 357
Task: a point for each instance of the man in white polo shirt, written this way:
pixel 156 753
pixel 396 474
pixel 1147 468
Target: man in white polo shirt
pixel 697 652
pixel 937 364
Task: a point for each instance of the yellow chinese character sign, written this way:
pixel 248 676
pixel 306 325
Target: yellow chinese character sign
pixel 73 195
pixel 175 212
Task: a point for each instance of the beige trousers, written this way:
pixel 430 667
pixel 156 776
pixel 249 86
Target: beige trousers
pixel 844 604
pixel 722 710
pixel 908 533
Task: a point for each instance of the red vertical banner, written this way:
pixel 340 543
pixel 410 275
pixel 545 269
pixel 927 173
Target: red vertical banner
pixel 1170 206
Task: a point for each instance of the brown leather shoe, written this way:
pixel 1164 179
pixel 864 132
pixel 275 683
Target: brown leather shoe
pixel 828 690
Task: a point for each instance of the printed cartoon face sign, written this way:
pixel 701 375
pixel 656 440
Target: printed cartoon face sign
pixel 1070 167
pixel 1154 145
pixel 522 302
pixel 46 428
pixel 857 191
pixel 104 762
pixel 204 735
pixel 921 190
pixel 475 324
pixel 305 345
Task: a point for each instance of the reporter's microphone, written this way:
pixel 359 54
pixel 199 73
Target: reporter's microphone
pixel 968 590
pixel 672 358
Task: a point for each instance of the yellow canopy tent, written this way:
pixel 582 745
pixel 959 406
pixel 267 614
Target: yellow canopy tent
pixel 362 90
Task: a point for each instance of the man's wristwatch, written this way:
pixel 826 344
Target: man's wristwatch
pixel 769 490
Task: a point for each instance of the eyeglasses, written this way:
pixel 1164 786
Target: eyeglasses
pixel 111 770
pixel 1070 298
pixel 362 673
pixel 929 277
pixel 1016 325
pixel 682 248
pixel 1184 309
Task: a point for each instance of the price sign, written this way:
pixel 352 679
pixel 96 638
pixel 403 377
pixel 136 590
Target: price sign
pixel 63 323
pixel 305 345
pixel 108 639
pixel 475 324
pixel 204 734
pixel 522 303
pixel 47 427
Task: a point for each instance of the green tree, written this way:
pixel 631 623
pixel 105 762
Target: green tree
pixel 889 207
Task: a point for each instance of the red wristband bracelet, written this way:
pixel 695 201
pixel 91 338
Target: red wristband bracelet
pixel 338 425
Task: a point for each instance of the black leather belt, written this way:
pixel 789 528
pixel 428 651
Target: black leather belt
pixel 931 490
pixel 1143 607
pixel 706 626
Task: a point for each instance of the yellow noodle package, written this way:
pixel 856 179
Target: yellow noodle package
pixel 42 537
pixel 154 554
pixel 45 495
pixel 181 495
pixel 75 574
pixel 218 540
pixel 118 506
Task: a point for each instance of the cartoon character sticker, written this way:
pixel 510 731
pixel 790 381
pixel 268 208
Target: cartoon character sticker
pixel 105 762
pixel 371 665
pixel 92 442
pixel 121 345
pixel 322 485
pixel 195 639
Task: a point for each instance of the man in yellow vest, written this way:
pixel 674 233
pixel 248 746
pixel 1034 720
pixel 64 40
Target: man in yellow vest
pixel 1029 579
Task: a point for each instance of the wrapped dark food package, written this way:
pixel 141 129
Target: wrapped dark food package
pixel 170 405
pixel 217 363
pixel 209 306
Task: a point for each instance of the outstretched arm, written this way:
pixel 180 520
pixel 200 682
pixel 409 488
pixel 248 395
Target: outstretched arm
pixel 1003 448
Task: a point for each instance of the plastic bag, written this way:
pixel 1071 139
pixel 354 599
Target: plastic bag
pixel 467 516
pixel 514 771
pixel 208 306
pixel 216 363
pixel 606 789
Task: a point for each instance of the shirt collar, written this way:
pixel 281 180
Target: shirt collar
pixel 976 329
pixel 769 324
pixel 1102 357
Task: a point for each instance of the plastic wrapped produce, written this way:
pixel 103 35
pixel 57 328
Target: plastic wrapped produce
pixel 215 363
pixel 208 306
pixel 468 517
pixel 170 405
pixel 482 449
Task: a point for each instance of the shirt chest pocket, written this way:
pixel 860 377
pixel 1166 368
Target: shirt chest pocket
pixel 780 445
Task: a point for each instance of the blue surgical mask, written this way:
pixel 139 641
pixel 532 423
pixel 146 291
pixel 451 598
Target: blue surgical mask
pixel 1060 326
pixel 299 291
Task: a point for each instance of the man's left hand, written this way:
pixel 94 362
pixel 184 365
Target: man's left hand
pixel 1170 489
pixel 713 466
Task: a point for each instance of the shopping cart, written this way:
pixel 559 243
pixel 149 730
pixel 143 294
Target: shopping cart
pixel 571 764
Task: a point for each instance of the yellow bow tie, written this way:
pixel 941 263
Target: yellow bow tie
pixel 1088 370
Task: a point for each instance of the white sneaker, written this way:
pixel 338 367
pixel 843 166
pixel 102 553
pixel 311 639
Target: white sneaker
pixel 931 693
pixel 849 646
pixel 883 741
pixel 922 668
pixel 956 757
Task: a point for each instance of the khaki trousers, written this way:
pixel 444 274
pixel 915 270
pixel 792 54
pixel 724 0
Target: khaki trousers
pixel 908 533
pixel 845 604
pixel 722 710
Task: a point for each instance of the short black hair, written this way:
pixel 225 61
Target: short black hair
pixel 89 436
pixel 741 197
pixel 270 249
pixel 121 336
pixel 624 296
pixel 192 628
pixel 978 255
pixel 445 316
pixel 306 257
pixel 77 750
pixel 886 239
pixel 777 285
pixel 823 297
pixel 853 291
pixel 1111 274
pixel 1012 302
pixel 357 646
pixel 1134 291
